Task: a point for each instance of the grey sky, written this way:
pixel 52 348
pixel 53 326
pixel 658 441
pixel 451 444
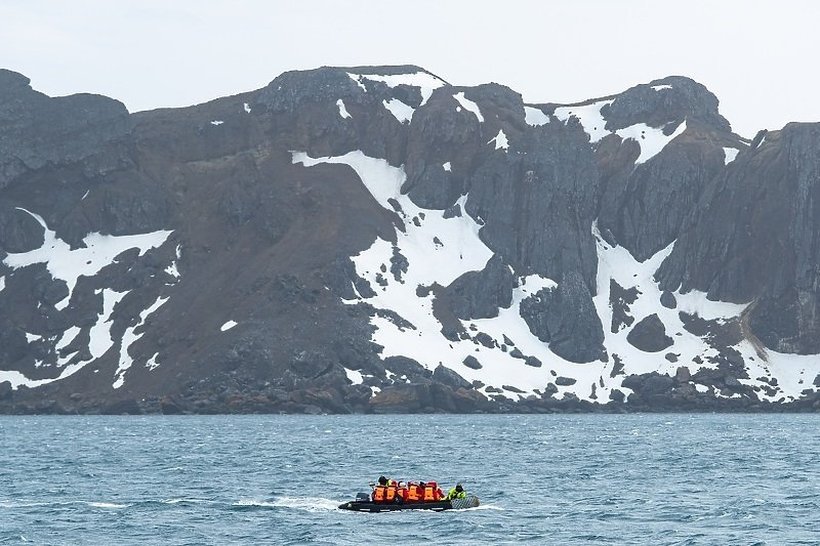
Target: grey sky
pixel 757 57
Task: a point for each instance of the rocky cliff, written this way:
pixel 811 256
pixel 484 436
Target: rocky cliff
pixel 375 239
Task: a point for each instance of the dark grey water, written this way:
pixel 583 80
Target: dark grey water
pixel 589 479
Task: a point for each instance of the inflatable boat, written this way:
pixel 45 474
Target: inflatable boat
pixel 364 504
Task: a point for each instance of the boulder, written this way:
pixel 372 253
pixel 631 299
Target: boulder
pixel 649 335
pixel 479 294
pixel 446 376
pixel 472 362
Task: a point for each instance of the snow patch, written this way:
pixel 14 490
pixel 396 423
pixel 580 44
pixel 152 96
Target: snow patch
pixel 358 79
pixel 729 155
pixel 400 111
pixel 651 139
pixel 501 142
pixel 426 83
pixel 589 116
pixel 227 326
pixel 68 336
pixel 246 107
pixel 128 338
pixel 616 263
pixel 342 110
pixel 446 166
pixel 100 342
pixel 100 334
pixel 172 269
pixel 438 250
pixel 69 265
pixel 661 87
pixel 2 283
pixel 354 376
pixel 217 122
pixel 535 117
pixel 152 363
pixel 469 105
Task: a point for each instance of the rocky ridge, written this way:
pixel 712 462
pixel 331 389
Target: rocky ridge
pixel 375 239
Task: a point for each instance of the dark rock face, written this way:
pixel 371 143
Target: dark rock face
pixel 401 365
pixel 551 189
pixel 684 99
pixel 479 294
pixel 535 312
pixel 620 299
pixel 39 130
pixel 566 318
pixel 649 335
pixel 19 232
pixel 448 377
pixel 769 254
pixel 645 206
pixel 258 293
pixel 575 329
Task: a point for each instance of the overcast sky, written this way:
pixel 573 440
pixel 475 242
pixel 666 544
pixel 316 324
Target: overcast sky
pixel 759 58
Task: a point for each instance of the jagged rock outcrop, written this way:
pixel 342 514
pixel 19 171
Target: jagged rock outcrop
pixel 566 319
pixel 752 238
pixel 40 130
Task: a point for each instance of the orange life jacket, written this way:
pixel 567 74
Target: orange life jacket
pixel 414 493
pixel 379 493
pixel 403 492
pixel 390 495
pixel 430 492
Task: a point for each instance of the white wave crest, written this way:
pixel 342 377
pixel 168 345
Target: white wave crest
pixel 183 500
pixel 109 505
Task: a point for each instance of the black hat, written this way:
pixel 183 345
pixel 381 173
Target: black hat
pixel 459 488
pixel 382 480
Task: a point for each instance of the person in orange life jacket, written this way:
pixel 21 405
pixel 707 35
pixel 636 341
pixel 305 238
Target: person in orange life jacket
pixel 402 491
pixel 380 490
pixel 414 492
pixel 393 492
pixel 432 492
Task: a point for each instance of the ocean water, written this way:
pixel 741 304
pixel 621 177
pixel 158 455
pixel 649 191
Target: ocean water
pixel 551 479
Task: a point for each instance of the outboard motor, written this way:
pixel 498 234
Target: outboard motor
pixel 362 497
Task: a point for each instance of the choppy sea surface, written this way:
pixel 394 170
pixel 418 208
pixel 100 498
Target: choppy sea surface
pixel 581 479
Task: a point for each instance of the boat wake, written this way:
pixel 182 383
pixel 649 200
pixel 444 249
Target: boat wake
pixel 485 507
pixel 309 504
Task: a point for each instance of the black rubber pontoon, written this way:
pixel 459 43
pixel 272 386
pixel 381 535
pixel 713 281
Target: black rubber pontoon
pixel 471 501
